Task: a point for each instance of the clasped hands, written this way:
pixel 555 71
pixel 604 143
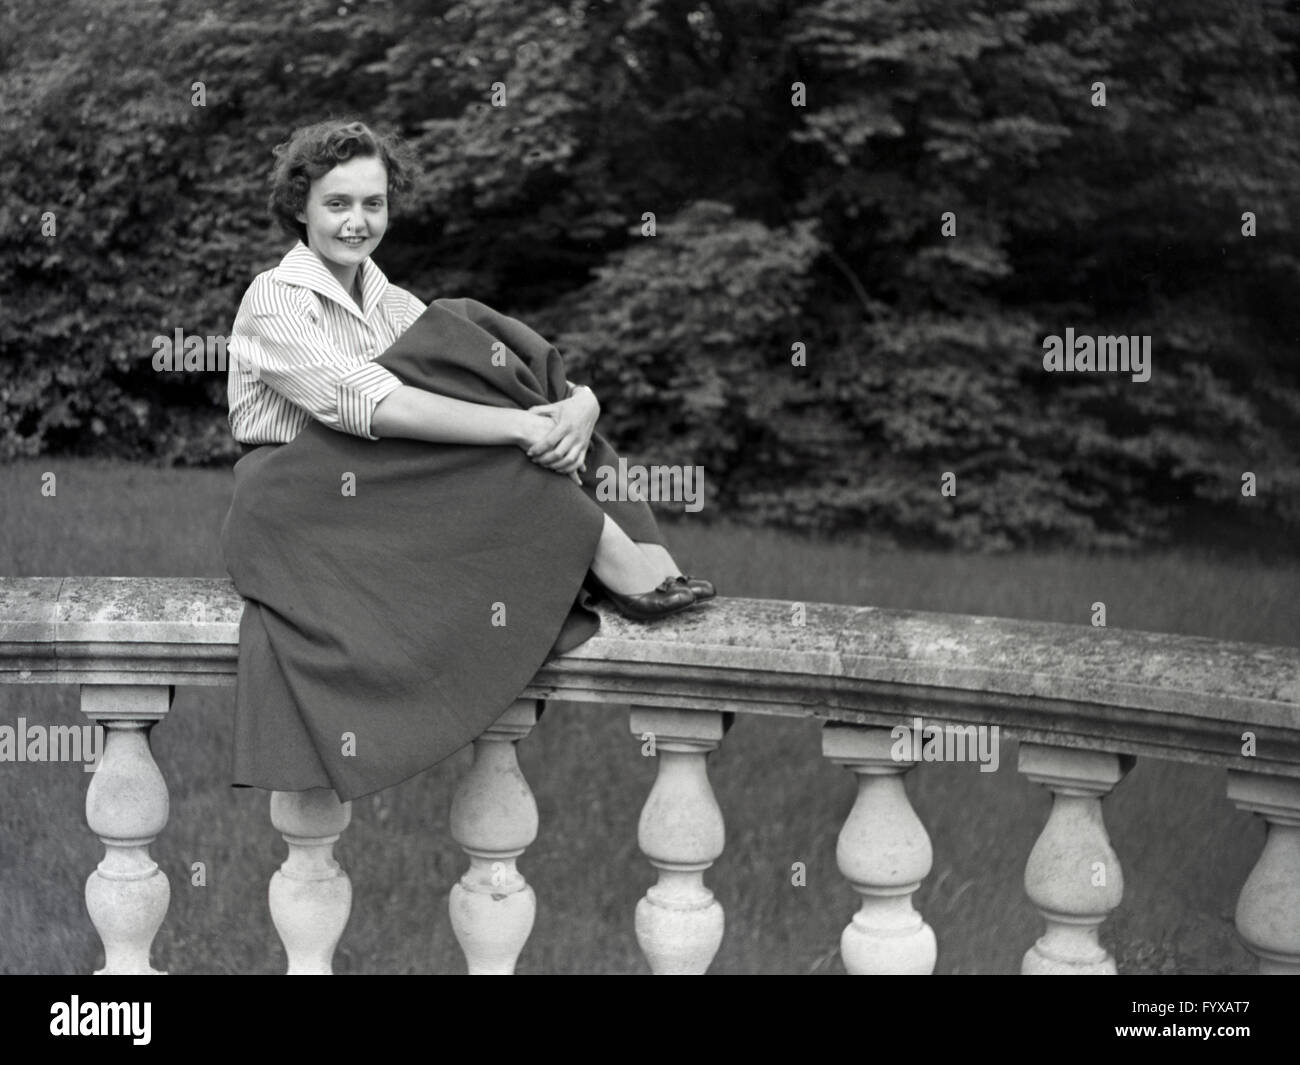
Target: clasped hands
pixel 558 434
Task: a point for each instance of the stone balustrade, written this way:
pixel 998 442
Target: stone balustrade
pixel 1083 702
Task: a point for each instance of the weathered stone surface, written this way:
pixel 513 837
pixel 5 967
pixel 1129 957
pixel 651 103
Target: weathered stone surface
pixel 116 630
pixel 1111 689
pixel 28 609
pixel 149 610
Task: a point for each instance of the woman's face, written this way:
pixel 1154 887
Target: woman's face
pixel 347 211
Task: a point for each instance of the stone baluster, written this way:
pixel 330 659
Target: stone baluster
pixel 884 852
pixel 310 894
pixel 679 923
pixel 126 807
pixel 494 819
pixel 1072 876
pixel 1268 910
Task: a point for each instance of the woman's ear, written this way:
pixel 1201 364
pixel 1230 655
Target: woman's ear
pixel 302 217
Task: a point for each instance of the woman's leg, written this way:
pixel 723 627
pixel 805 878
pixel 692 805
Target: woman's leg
pixel 657 555
pixel 625 566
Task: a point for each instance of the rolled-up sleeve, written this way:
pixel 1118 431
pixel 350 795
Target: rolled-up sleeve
pixel 278 341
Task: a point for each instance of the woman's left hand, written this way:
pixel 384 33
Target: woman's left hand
pixel 565 446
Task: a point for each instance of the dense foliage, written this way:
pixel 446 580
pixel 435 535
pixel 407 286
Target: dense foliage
pixel 798 323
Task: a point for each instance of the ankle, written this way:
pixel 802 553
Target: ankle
pixel 627 576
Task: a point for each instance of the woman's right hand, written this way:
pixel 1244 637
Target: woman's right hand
pixel 533 429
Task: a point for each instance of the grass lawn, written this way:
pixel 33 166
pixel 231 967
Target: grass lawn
pixel 1184 848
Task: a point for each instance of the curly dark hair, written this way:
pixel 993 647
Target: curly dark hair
pixel 313 151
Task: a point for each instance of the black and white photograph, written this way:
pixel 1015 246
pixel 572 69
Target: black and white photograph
pixel 651 487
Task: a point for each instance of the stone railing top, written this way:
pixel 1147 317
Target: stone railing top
pixel 1171 696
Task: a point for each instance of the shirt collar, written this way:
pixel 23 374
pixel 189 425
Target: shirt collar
pixel 302 266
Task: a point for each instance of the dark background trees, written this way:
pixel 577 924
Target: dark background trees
pixel 776 225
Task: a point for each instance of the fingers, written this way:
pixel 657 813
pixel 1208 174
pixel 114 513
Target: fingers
pixel 556 446
pixel 551 442
pixel 563 459
pixel 574 459
pixel 563 464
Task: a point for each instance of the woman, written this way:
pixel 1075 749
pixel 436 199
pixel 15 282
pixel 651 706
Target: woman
pixel 402 587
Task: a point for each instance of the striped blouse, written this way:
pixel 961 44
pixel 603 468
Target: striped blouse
pixel 302 349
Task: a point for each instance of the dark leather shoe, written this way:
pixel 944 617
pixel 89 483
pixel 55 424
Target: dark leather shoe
pixel 668 598
pixel 703 589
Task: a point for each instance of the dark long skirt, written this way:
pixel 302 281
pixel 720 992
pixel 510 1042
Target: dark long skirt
pixel 400 594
